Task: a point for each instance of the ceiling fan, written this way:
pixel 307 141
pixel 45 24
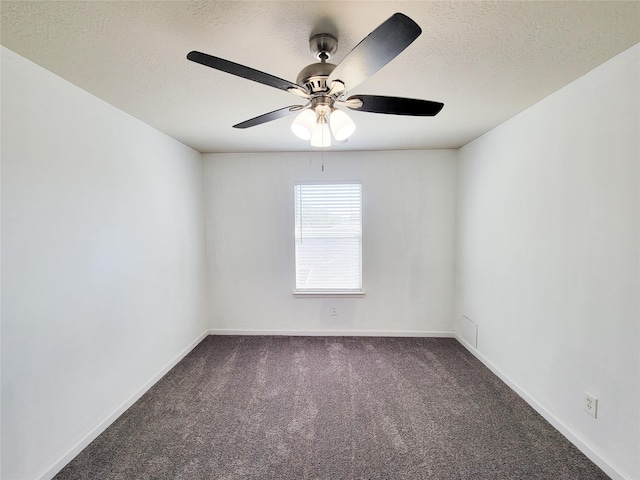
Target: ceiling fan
pixel 324 85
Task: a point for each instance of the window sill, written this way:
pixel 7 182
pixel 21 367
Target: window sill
pixel 320 294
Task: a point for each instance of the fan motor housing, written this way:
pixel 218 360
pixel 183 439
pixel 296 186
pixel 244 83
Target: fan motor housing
pixel 314 76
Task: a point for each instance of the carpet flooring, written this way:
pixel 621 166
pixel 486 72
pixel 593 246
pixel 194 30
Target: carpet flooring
pixel 294 408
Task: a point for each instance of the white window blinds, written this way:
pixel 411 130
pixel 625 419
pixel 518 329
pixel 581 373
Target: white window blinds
pixel 328 237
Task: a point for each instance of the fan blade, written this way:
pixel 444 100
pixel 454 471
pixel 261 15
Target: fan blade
pixel 395 105
pixel 267 117
pixel 376 50
pixel 242 71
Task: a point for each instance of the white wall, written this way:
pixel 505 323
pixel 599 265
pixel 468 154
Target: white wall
pixel 408 242
pixel 102 263
pixel 548 256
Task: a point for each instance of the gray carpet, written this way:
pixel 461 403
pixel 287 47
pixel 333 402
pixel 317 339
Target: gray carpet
pixel 296 408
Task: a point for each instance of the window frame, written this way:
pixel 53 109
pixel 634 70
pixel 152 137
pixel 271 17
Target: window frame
pixel 328 292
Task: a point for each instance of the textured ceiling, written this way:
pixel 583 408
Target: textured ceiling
pixel 486 61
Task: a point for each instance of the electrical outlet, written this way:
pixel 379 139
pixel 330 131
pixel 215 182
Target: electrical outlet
pixel 334 311
pixel 591 405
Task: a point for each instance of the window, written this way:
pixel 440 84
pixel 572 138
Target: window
pixel 328 238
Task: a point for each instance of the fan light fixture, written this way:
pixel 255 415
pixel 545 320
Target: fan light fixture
pixel 321 124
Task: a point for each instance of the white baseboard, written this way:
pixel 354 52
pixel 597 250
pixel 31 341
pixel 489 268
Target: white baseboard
pixel 102 426
pixel 332 333
pixel 591 452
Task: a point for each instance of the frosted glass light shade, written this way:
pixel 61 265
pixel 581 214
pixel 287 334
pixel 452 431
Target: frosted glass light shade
pixel 342 126
pixel 321 136
pixel 304 124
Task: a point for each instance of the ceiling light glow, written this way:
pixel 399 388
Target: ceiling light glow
pixel 342 126
pixel 321 136
pixel 304 124
pixel 318 125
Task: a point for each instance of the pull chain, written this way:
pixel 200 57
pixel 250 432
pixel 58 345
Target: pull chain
pixel 321 159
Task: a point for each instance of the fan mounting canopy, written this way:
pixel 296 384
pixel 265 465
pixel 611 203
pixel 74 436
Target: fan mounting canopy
pixel 323 46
